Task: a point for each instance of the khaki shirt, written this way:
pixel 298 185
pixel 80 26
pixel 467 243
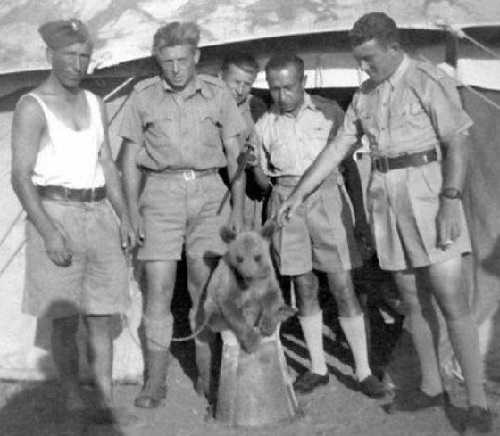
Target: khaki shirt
pixel 251 110
pixel 180 131
pixel 416 109
pixel 287 145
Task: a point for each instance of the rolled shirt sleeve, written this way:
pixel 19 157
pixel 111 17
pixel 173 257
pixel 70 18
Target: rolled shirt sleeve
pixel 232 122
pixel 442 103
pixel 131 127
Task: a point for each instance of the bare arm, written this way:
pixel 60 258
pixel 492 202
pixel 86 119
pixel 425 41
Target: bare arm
pixel 354 188
pixel 232 150
pixel 131 180
pixel 27 129
pixel 454 168
pixel 113 186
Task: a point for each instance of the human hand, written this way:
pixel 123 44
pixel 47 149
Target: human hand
pixel 287 210
pixel 127 235
pixel 448 222
pixel 248 158
pixel 57 249
pixel 137 225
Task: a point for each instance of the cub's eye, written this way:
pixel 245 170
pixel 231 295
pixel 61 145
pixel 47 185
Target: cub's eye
pixel 239 259
pixel 257 258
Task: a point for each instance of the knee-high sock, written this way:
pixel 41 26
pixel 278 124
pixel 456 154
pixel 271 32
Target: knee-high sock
pixel 465 341
pixel 423 341
pixel 312 327
pixel 355 333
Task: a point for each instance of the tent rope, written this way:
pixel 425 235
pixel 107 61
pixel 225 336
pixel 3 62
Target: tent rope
pixel 469 88
pixel 12 257
pixel 11 226
pixel 461 34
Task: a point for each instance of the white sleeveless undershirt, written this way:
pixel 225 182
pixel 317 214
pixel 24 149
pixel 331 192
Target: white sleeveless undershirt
pixel 69 157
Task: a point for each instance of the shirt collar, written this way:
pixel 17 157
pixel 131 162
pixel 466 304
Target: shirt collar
pixel 395 77
pixel 196 85
pixel 308 103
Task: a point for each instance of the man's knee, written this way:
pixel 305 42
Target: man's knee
pixel 306 287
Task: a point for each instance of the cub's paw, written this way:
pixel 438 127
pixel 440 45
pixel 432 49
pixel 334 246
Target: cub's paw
pixel 251 340
pixel 285 312
pixel 267 325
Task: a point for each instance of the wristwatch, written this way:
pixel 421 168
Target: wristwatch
pixel 451 193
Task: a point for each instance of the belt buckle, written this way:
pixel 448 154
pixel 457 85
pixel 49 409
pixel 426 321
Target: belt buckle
pixel 189 175
pixel 382 164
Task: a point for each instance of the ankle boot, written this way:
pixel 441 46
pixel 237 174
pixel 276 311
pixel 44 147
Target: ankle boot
pixel 154 389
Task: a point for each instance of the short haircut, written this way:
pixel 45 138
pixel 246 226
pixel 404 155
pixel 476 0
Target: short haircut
pixel 374 25
pixel 281 61
pixel 244 61
pixel 176 33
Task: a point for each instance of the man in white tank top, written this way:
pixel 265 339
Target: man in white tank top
pixel 62 172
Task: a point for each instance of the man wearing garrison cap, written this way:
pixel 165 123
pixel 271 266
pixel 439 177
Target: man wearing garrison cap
pixel 179 129
pixel 62 172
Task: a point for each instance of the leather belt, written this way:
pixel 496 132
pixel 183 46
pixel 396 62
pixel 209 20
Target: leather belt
pixel 186 173
pixel 384 163
pixel 61 193
pixel 285 180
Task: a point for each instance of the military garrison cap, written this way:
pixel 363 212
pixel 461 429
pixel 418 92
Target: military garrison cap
pixel 61 33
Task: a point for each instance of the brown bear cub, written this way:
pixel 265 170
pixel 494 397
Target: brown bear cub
pixel 243 294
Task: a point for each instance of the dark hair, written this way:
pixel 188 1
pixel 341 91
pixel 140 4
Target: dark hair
pixel 176 33
pixel 374 25
pixel 243 61
pixel 280 61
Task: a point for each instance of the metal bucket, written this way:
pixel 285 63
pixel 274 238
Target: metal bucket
pixel 254 389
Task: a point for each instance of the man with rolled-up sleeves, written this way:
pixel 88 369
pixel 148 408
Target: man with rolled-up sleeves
pixel 179 129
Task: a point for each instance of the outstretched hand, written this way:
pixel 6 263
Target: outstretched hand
pixel 287 210
pixel 448 223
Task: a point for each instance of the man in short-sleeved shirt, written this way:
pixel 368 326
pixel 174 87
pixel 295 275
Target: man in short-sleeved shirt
pixel 416 128
pixel 321 237
pixel 179 129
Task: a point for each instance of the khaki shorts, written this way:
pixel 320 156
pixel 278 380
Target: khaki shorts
pixel 96 282
pixel 403 206
pixel 177 211
pixel 320 236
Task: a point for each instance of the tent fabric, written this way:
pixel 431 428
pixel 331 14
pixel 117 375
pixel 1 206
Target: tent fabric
pixel 123 30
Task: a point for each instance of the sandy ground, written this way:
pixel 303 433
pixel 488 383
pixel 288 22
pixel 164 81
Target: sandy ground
pixel 336 409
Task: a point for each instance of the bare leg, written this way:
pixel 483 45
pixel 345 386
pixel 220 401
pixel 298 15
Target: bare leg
pixel 157 320
pixel 423 328
pixel 447 285
pixel 65 355
pixel 198 273
pixel 101 355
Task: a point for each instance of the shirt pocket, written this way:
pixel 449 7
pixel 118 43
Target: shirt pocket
pixel 411 115
pixel 160 127
pixel 210 129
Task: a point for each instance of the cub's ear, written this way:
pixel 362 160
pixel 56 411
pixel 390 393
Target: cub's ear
pixel 269 227
pixel 227 234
